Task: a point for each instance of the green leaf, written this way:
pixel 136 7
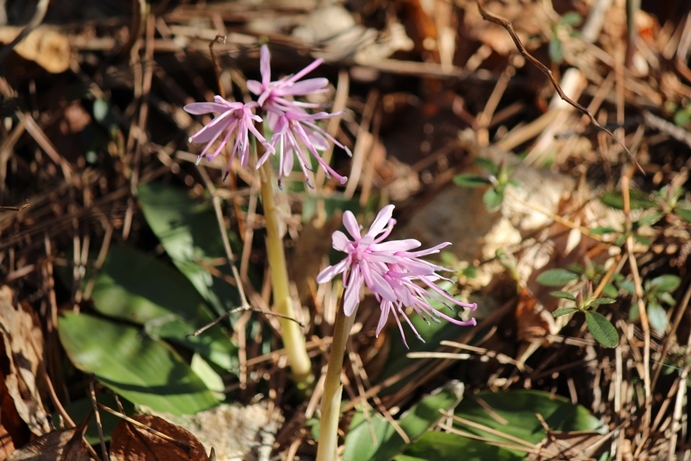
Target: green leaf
pixel 601 329
pixel 628 286
pixel 443 446
pixel 415 422
pixel 555 50
pixel 657 317
pixel 650 219
pixel 556 277
pixel 667 282
pixel 142 370
pixel 138 288
pixel 645 241
pixel 564 311
pixel 487 165
pixel 604 230
pixel 638 199
pixel 610 290
pixel 470 180
pixel 571 18
pixel 684 214
pixel 80 409
pixel 563 295
pixel 634 314
pixel 189 232
pixel 512 413
pixel 600 301
pixel 666 298
pixel 492 199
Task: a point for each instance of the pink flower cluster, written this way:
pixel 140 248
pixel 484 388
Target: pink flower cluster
pixel 392 271
pixel 293 126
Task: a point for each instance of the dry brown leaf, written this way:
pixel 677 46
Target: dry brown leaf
pixel 577 446
pixel 134 443
pixel 22 344
pixel 64 445
pixel 45 46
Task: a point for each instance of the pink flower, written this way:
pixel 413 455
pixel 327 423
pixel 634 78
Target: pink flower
pixel 236 119
pixel 292 130
pixel 289 120
pixel 395 274
pixel 279 95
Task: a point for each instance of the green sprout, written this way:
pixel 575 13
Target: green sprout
pixel 602 329
pixel 499 177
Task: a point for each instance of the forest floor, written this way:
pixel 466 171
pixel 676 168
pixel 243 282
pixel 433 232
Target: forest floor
pixel 569 219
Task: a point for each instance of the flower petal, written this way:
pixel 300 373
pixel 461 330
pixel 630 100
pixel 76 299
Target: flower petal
pixel 381 221
pixel 339 241
pixel 351 225
pixel 332 271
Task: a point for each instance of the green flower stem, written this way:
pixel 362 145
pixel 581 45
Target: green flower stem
pixel 331 400
pixel 293 339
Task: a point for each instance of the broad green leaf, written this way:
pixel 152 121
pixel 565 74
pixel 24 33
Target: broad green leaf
pixel 601 329
pixel 417 420
pixel 657 317
pixel 492 199
pixel 486 165
pixel 600 301
pixel 563 294
pixel 443 446
pixel 556 277
pixel 470 180
pixel 142 370
pixel 139 288
pixel 189 232
pixel 564 311
pixel 667 282
pixel 512 413
pixel 81 409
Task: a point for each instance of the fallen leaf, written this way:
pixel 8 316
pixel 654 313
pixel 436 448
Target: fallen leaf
pixel 22 344
pixel 63 445
pixel 169 443
pixel 44 45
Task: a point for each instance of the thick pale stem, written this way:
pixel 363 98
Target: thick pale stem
pixel 293 339
pixel 331 400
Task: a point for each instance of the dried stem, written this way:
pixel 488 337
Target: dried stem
pixel 487 16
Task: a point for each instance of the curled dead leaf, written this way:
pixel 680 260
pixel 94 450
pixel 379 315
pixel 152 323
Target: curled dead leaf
pixel 22 344
pixel 44 45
